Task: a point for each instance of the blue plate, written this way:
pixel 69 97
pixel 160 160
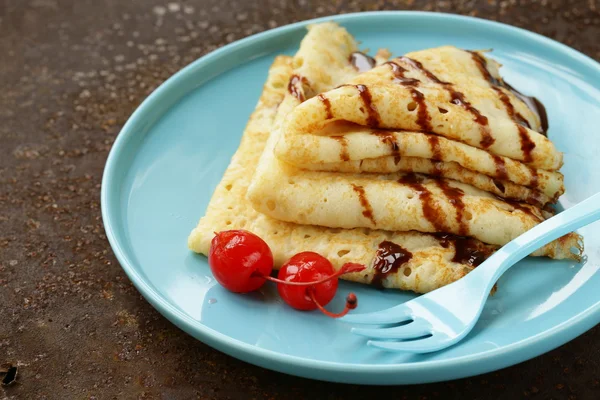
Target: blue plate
pixel 171 154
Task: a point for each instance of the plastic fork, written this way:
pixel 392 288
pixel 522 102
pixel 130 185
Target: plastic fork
pixel 445 316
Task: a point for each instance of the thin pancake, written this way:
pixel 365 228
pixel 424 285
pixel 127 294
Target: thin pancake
pixel 451 170
pixel 433 262
pixel 336 200
pixel 381 149
pixel 404 94
pixel 374 201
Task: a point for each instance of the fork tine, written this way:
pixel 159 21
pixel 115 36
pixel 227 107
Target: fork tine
pixel 414 329
pixel 425 345
pixel 391 315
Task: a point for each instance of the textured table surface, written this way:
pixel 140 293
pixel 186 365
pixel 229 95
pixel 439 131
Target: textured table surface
pixel 71 72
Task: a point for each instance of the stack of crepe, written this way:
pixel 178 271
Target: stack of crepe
pixel 418 167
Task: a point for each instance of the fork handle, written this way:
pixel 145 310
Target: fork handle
pixel 567 221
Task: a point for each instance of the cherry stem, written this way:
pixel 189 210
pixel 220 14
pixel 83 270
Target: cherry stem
pixel 346 268
pixel 351 303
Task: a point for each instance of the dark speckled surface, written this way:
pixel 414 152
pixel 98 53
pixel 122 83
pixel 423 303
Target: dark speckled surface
pixel 71 72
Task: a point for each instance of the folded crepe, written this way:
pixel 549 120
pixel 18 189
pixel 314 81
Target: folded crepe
pixel 395 202
pixel 405 93
pixel 403 260
pixel 477 121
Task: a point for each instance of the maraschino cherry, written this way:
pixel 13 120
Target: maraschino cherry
pixel 313 268
pixel 242 262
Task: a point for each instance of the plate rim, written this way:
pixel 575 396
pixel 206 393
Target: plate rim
pixel 472 364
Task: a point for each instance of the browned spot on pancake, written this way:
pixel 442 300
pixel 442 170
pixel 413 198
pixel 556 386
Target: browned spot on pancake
pixel 533 199
pixel 388 259
pixel 326 104
pixel 364 202
pixel 344 156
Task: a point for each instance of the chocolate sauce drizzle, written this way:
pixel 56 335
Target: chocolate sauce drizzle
pixel 482 65
pixel 457 98
pixel 327 105
pixel 364 202
pixel 399 77
pixel 388 259
pixel 517 117
pixel 500 167
pixel 454 196
pixel 437 168
pixel 373 118
pixel 535 178
pixel 344 155
pixel 423 117
pixel 361 61
pixel 434 144
pixel 293 89
pixel 389 139
pixel 533 103
pixel 417 65
pixel 431 210
pixel 466 250
pixel 527 145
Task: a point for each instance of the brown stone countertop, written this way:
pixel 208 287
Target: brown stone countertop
pixel 71 72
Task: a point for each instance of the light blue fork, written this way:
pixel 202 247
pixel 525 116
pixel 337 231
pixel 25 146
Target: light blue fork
pixel 443 317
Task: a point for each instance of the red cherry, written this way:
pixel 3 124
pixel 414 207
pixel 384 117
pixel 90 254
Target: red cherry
pixel 240 260
pixel 308 281
pixel 307 267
